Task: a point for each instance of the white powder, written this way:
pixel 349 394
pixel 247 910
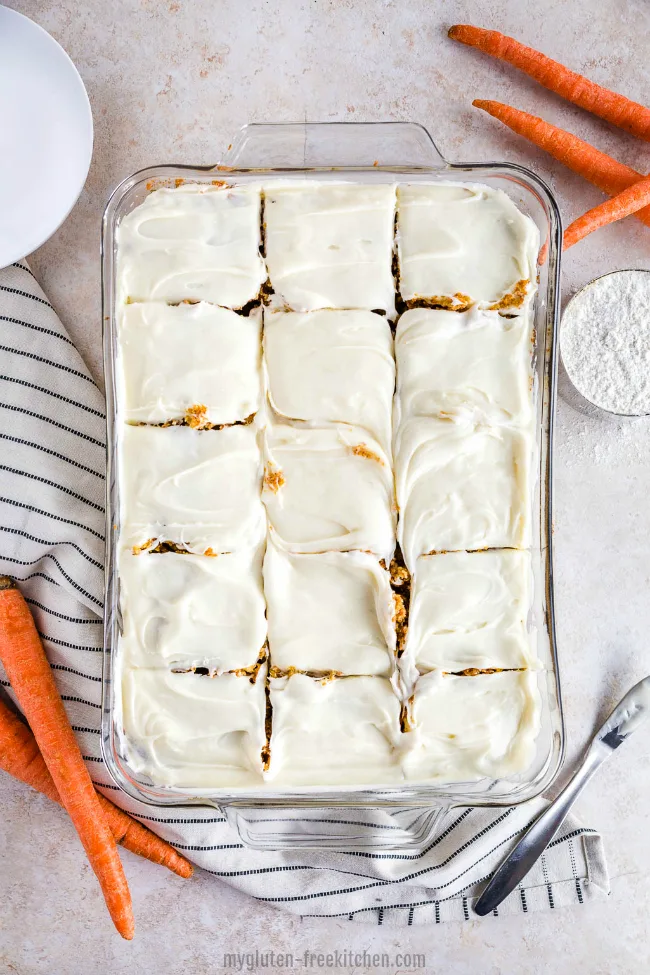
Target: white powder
pixel 605 342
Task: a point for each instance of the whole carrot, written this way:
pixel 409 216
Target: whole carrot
pixel 597 167
pixel 630 200
pixel 575 88
pixel 20 756
pixel 31 678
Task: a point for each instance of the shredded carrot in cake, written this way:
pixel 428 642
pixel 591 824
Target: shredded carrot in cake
pixel 323 676
pixel 458 302
pixel 514 298
pixel 476 672
pixel 399 574
pixel 404 723
pixel 160 548
pixel 400 618
pixel 253 671
pixel 138 549
pixel 268 728
pixel 277 672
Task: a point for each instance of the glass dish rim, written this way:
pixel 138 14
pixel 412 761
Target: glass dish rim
pixel 404 794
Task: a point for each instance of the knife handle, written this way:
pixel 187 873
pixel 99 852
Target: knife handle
pixel 537 837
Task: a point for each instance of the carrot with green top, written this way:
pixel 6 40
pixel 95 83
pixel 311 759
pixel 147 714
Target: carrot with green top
pixel 29 673
pixel 630 200
pixel 20 757
pixel 597 167
pixel 575 88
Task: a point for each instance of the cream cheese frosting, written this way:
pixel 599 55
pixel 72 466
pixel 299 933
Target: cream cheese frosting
pixel 467 728
pixel 475 364
pixel 332 367
pixel 198 242
pixel 192 731
pixel 464 243
pixel 197 488
pixel 330 245
pixel 339 732
pixel 328 489
pixel 185 611
pixel 461 486
pixel 174 357
pixel 470 610
pixel 329 612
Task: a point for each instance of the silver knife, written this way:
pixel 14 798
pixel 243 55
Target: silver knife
pixel 624 719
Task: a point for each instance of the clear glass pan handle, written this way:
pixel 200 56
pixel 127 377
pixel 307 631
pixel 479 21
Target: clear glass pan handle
pixel 300 145
pixel 349 829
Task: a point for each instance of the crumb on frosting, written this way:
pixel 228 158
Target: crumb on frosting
pixel 362 450
pixel 274 479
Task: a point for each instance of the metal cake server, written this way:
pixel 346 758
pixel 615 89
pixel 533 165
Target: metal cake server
pixel 624 719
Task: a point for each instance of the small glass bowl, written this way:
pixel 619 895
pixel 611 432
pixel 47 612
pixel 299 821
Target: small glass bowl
pixel 569 387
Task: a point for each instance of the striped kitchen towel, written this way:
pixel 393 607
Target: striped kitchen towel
pixel 52 436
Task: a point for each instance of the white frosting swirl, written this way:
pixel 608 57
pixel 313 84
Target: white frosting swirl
pixel 342 732
pixel 330 245
pixel 195 241
pixel 173 357
pixel 184 611
pixel 461 239
pixel 467 728
pixel 329 612
pixel 197 488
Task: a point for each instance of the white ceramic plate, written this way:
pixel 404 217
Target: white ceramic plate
pixel 46 136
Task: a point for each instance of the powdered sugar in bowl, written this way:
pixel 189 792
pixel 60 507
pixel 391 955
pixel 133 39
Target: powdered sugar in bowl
pixel 605 342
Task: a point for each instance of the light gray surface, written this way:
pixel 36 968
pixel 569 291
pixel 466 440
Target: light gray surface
pixel 171 82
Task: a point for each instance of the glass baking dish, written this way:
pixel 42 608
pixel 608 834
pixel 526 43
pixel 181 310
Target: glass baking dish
pixel 389 818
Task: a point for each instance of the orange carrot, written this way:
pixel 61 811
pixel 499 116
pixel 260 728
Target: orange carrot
pixel 19 755
pixel 597 167
pixel 632 199
pixel 31 678
pixel 609 105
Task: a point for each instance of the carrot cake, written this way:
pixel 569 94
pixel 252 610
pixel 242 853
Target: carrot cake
pixel 183 611
pixel 199 489
pixel 328 489
pixel 476 365
pixel 329 612
pixel 192 243
pixel 469 610
pixel 460 244
pixel 192 731
pixel 467 728
pixel 324 530
pixel 176 357
pixel 330 245
pixel 332 367
pixel 461 487
pixel 339 732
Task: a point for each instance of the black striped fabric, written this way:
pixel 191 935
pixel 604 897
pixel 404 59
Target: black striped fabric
pixel 52 436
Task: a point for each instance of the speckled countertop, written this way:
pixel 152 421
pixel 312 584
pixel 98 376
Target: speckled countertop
pixel 172 81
